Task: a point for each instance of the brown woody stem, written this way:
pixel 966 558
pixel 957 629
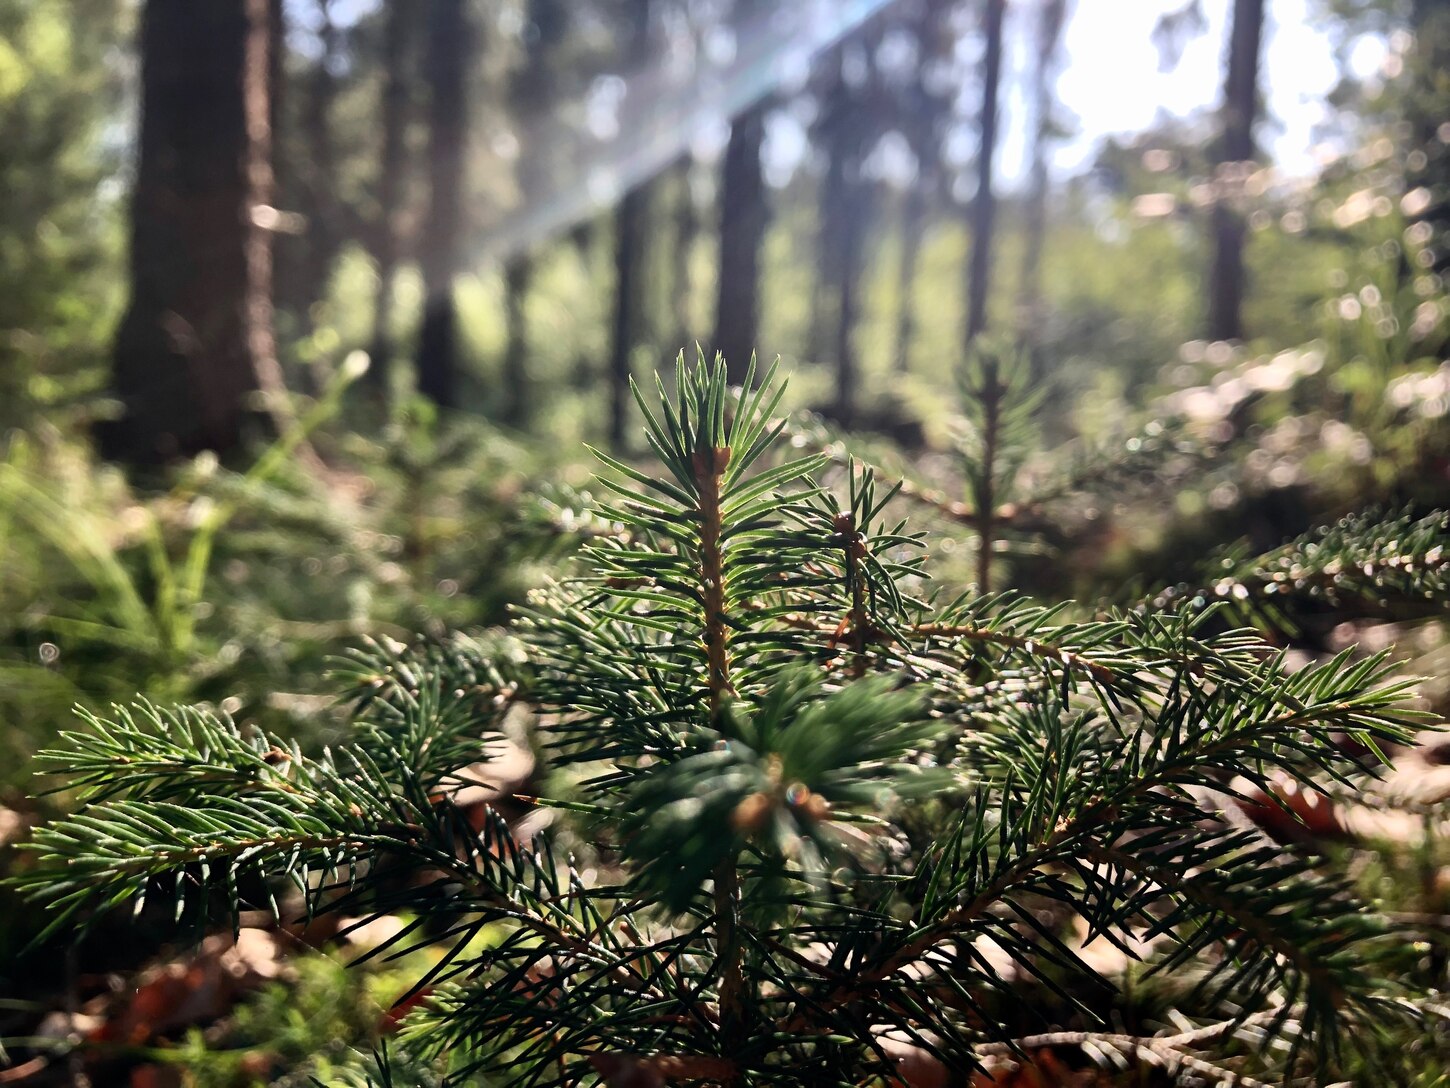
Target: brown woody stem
pixel 710 464
pixel 860 624
pixel 986 483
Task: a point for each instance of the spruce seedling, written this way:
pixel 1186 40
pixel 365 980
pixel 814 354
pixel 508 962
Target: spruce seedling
pixel 802 811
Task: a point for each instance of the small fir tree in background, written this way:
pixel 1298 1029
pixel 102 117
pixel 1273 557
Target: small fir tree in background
pixel 800 811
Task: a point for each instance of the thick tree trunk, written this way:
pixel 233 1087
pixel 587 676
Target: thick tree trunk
pixel 197 333
pixel 984 203
pixel 582 239
pixel 392 167
pixel 853 114
pixel 449 48
pixel 1427 106
pixel 846 127
pixel 518 277
pixel 744 215
pixel 830 239
pixel 1236 150
pixel 630 273
pixel 326 231
pixel 258 74
pixel 307 179
pixel 913 231
pixel 1049 38
pixel 853 247
pixel 687 230
pixel 276 79
pixel 629 244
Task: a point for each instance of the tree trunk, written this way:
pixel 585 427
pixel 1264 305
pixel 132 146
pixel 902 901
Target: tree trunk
pixel 582 239
pixel 846 126
pixel 539 79
pixel 630 274
pixel 924 114
pixel 744 216
pixel 984 203
pixel 913 230
pixel 258 74
pixel 1427 106
pixel 197 334
pixel 449 49
pixel 1236 151
pixel 326 232
pixel 853 247
pixel 830 239
pixel 392 167
pixel 1049 38
pixel 276 79
pixel 629 228
pixel 518 278
pixel 307 180
pixel 687 230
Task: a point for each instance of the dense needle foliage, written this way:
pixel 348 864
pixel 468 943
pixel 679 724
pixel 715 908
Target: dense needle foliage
pixel 802 811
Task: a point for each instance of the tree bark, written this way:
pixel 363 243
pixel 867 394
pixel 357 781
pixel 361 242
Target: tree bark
pixel 326 231
pixel 853 247
pixel 687 230
pixel 629 256
pixel 1049 38
pixel 925 113
pixel 518 277
pixel 196 340
pixel 847 124
pixel 258 73
pixel 538 79
pixel 306 167
pixel 629 244
pixel 830 240
pixel 913 231
pixel 984 203
pixel 1236 150
pixel 744 216
pixel 582 238
pixel 450 47
pixel 392 168
pixel 1427 106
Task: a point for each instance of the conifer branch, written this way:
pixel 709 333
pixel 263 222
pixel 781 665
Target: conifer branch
pixel 751 706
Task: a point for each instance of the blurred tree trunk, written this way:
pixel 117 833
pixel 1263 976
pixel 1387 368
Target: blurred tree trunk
pixel 539 79
pixel 1235 153
pixel 1049 39
pixel 858 201
pixel 326 231
pixel 744 216
pixel 1427 111
pixel 582 238
pixel 687 230
pixel 924 114
pixel 276 78
pixel 825 289
pixel 629 254
pixel 450 48
pixel 913 231
pixel 629 245
pixel 846 126
pixel 392 169
pixel 984 203
pixel 518 277
pixel 307 172
pixel 830 241
pixel 196 340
